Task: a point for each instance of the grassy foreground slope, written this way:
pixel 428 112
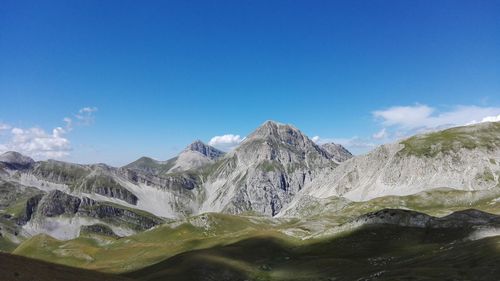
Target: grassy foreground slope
pixel 372 253
pixel 110 254
pixel 376 252
pixel 17 268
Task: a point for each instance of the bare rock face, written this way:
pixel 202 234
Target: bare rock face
pixel 117 215
pixel 206 150
pixel 337 152
pixel 15 160
pixel 195 156
pixel 57 203
pixel 265 172
pixel 45 211
pixel 463 158
pixel 107 186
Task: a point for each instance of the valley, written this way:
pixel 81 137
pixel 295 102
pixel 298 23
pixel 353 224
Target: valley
pixel 277 207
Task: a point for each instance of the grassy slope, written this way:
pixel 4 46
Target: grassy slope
pixel 391 253
pixel 149 164
pixel 17 268
pixel 6 245
pixel 146 248
pixel 486 135
pixel 376 252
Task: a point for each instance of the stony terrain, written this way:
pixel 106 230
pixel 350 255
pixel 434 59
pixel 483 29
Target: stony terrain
pixel 463 158
pixel 277 189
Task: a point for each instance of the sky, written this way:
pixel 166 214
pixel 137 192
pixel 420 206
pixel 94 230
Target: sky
pixel 111 81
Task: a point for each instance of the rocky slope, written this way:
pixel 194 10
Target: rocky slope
pixel 337 152
pixel 464 158
pixel 195 155
pixel 265 172
pixel 261 176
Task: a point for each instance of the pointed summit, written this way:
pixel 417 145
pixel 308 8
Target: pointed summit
pixel 277 133
pixel 337 152
pixel 205 149
pixel 266 171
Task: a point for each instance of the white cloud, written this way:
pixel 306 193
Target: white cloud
pixel 4 126
pixel 382 134
pixel 486 119
pixel 400 122
pixel 85 115
pixel 424 117
pixel 226 142
pixel 69 123
pixel 36 142
pixel 355 145
pixel 404 116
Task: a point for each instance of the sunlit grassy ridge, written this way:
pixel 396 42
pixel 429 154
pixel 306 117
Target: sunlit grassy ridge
pixel 380 252
pixel 152 166
pixel 486 136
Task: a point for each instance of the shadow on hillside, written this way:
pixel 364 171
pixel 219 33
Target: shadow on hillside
pixel 18 268
pixel 380 252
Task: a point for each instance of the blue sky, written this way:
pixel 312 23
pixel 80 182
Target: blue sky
pixel 148 77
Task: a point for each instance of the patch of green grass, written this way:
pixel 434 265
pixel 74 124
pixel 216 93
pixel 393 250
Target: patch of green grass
pixel 18 208
pixel 6 245
pixel 485 136
pixel 152 166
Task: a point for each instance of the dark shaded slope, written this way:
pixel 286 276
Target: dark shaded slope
pixel 377 251
pixel 17 268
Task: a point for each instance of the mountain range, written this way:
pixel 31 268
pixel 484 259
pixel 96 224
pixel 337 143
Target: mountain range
pixel 277 178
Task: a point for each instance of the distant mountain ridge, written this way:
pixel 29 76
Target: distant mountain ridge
pixel 276 170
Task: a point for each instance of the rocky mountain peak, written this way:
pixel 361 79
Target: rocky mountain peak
pixel 266 171
pixel 337 152
pixel 16 159
pixel 279 132
pixel 205 149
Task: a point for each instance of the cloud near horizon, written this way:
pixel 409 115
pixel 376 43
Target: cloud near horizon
pixel 399 122
pixel 355 145
pixel 37 143
pixel 420 116
pixel 85 115
pixel 226 142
